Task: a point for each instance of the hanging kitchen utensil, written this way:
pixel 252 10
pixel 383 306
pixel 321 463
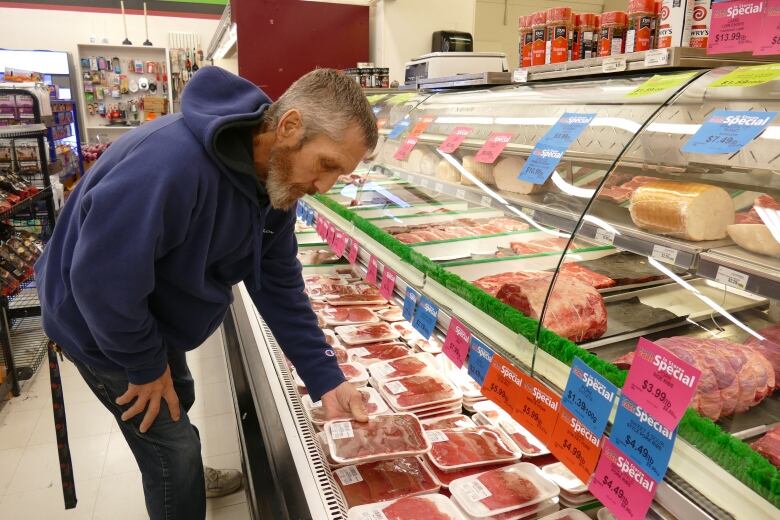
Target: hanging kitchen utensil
pixel 133 86
pixel 143 84
pixel 146 25
pixel 194 61
pixel 117 65
pixel 152 86
pixel 124 88
pixel 139 67
pixel 124 23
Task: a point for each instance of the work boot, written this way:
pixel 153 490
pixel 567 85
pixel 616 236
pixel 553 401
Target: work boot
pixel 221 482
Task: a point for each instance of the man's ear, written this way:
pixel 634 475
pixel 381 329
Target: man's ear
pixel 290 125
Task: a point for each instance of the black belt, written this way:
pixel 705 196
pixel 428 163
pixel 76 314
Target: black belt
pixel 61 428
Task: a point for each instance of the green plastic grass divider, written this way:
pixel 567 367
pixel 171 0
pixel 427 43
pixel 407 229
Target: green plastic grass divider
pixel 730 453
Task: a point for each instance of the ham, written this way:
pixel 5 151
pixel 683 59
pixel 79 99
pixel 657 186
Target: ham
pixel 622 193
pixel 576 310
pixel 482 171
pixel 685 210
pixel 455 229
pixel 756 238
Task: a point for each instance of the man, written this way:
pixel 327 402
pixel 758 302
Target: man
pixel 141 264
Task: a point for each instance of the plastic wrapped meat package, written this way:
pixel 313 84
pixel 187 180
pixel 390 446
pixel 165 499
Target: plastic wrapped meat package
pixel 408 365
pixel 405 330
pixel 473 447
pixel 567 514
pixel 331 338
pixel 384 480
pixel 332 279
pixel 432 345
pixel 323 290
pixel 391 314
pixel 528 444
pixel 534 512
pixel 428 507
pixel 448 422
pixel 369 297
pixel 373 402
pixel 423 391
pixel 382 437
pixel 369 354
pixel 502 490
pixel 336 316
pixel 565 479
pixel 491 413
pixel 322 439
pixel 444 478
pixel 367 333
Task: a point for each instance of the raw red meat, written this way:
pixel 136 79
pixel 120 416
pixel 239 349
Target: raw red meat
pixel 733 377
pixel 576 310
pixel 544 245
pixel 405 329
pixel 422 389
pixel 524 444
pixel 366 332
pixel 388 480
pixel 450 423
pixel 445 477
pixel 769 445
pixel 769 348
pixel 470 446
pixel 349 371
pixel 384 351
pixel 599 281
pixel 508 489
pixel 455 229
pixel 348 314
pixel 622 193
pixel 414 508
pixel 405 366
pixel 392 314
pixel 409 238
pixel 341 354
pixel 381 436
pixel 491 284
pixel 752 216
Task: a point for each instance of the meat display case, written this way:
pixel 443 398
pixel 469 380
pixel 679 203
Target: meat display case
pixel 452 229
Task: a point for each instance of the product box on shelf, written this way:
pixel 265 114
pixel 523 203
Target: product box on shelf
pixel 675 23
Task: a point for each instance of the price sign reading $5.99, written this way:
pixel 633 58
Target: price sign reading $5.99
pixel 503 384
pixel 538 410
pixel 661 383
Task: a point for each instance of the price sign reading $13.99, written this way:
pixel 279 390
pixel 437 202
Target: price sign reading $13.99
pixel 661 383
pixel 495 144
pixel 621 485
pixel 734 26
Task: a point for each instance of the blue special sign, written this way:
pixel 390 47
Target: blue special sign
pixel 480 356
pixel 399 128
pixel 589 397
pixel 425 316
pixel 727 131
pixel 410 302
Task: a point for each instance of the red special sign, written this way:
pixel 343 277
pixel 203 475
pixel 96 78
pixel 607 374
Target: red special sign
pixel 493 147
pixel 422 125
pixel 405 149
pixel 388 283
pixel 372 270
pixel 454 140
pixel 538 410
pixel 456 344
pixel 354 249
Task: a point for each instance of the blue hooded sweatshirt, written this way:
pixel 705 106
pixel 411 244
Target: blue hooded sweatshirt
pixel 151 241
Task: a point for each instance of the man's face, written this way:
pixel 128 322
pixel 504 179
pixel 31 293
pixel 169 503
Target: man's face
pixel 295 170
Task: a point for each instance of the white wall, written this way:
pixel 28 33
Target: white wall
pixel 493 34
pixel 401 29
pixel 64 30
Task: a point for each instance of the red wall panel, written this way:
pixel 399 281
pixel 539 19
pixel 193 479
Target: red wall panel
pixel 280 40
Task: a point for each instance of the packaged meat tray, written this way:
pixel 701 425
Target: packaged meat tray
pixel 449 422
pixel 355 373
pixel 466 448
pixel 439 412
pixel 431 346
pixel 336 316
pixel 428 507
pixel 401 367
pixel 502 490
pixel 373 402
pixel 565 479
pixel 370 353
pixel 421 391
pixel 528 444
pixel 391 314
pixel 384 480
pixel 444 478
pixel 331 338
pixel 321 291
pixel 322 439
pixel 406 331
pixel 533 512
pixel 382 437
pixel 367 333
pixel 332 279
pixel 567 514
pixel 368 298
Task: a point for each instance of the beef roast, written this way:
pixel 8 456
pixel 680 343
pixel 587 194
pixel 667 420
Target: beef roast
pixel 769 445
pixel 576 310
pixel 769 348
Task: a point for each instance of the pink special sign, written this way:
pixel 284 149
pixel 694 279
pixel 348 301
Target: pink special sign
pixel 340 243
pixel 456 344
pixel 621 485
pixel 734 26
pixel 454 140
pixel 493 147
pixel 354 249
pixel 371 272
pixel 388 283
pixel 661 383
pixel 768 40
pixel 405 149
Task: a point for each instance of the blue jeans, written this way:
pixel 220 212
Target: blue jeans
pixel 168 454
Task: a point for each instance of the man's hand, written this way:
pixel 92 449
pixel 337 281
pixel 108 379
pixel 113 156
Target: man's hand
pixel 344 400
pixel 147 397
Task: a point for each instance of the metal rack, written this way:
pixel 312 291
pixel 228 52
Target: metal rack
pixel 23 343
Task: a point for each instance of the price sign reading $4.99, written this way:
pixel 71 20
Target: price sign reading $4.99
pixel 575 445
pixel 661 383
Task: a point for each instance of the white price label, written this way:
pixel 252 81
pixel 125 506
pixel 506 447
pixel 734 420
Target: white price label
pixel 613 65
pixel 664 254
pixel 656 57
pixel 318 404
pixel 520 76
pixel 359 352
pixel 528 211
pixel 476 491
pixel 486 200
pixel 341 430
pixel 439 186
pixel 381 370
pixel 605 236
pixel 424 183
pixel 349 475
pixel 436 436
pixel 373 515
pixel 396 387
pixel 460 194
pixel 732 278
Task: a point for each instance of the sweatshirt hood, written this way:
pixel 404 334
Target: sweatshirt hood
pixel 221 110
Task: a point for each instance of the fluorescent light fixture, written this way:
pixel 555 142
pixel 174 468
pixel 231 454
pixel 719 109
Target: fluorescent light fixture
pixel 673 128
pixel 571 189
pixel 463 171
pixel 464 120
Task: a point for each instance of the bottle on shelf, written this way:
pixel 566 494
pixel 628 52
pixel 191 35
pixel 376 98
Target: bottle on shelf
pixel 539 26
pixel 558 32
pixel 612 36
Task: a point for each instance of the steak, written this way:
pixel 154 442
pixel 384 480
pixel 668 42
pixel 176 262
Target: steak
pixel 470 446
pixel 347 315
pixel 733 378
pixel 388 480
pixel 576 310
pixel 508 489
pixel 769 445
pixel 414 508
pixel 405 366
pixel 421 390
pixel 381 436
pixel 455 229
pixel 599 281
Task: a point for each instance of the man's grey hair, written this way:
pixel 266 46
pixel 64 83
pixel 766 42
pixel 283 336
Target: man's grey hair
pixel 329 102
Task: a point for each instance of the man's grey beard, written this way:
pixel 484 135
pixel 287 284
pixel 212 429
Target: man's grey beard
pixel 281 192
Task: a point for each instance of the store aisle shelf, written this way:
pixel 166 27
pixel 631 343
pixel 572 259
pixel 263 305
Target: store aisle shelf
pixel 24 204
pixel 22 131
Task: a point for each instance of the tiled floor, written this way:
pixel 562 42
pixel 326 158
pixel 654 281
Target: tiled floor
pixel 108 483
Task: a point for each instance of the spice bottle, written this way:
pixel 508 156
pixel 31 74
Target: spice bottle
pixel 586 37
pixel 558 31
pixel 700 28
pixel 641 15
pixel 526 41
pixel 575 37
pixel 539 28
pixel 612 37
